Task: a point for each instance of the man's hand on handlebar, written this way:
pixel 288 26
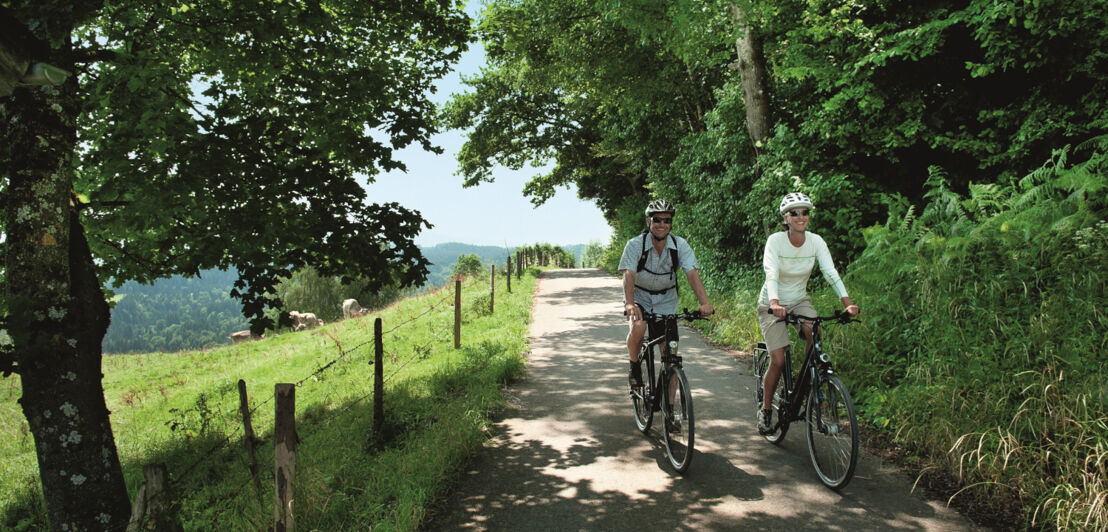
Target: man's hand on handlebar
pixel 707 309
pixel 633 311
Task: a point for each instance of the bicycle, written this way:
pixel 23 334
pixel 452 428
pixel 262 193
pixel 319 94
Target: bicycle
pixel 827 408
pixel 677 409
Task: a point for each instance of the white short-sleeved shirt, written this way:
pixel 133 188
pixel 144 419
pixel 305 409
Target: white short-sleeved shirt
pixel 788 268
pixel 662 265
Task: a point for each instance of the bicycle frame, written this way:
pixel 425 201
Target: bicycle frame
pixel 820 399
pixel 669 360
pixel 816 365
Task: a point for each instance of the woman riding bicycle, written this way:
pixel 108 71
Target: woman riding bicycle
pixel 788 260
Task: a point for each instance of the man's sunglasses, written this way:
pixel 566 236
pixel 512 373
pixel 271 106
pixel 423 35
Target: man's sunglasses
pixel 799 213
pixel 660 220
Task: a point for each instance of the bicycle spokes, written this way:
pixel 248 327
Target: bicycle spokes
pixel 832 432
pixel 678 432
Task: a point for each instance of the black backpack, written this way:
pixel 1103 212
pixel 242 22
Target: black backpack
pixel 672 260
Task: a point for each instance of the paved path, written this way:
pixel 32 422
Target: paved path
pixel 568 455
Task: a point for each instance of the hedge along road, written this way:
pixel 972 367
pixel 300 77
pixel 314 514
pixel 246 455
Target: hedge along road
pixel 567 454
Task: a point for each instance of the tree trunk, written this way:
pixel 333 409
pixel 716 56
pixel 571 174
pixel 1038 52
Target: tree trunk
pixel 752 70
pixel 57 314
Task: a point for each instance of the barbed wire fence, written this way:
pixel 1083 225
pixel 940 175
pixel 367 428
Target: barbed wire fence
pixel 443 298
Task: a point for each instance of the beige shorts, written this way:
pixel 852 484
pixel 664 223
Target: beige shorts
pixel 775 332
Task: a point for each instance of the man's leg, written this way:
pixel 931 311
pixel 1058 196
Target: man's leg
pixel 634 342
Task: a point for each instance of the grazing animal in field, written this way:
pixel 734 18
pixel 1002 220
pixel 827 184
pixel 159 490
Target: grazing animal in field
pixel 243 336
pixel 304 320
pixel 351 309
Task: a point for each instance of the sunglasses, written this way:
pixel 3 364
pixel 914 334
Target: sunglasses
pixel 799 213
pixel 660 220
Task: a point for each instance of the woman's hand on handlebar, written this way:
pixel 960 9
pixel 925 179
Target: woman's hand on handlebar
pixel 852 309
pixel 777 310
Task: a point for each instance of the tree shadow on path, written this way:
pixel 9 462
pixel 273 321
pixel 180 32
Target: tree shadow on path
pixel 567 454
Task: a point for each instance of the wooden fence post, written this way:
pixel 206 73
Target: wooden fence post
pixel 457 313
pixel 492 288
pixel 519 265
pixel 284 456
pixel 248 438
pixel 509 276
pixel 154 508
pixel 378 380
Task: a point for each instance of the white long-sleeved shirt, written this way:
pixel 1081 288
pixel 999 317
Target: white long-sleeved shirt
pixel 788 268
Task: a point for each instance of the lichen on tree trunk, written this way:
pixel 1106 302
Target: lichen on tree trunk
pixel 57 315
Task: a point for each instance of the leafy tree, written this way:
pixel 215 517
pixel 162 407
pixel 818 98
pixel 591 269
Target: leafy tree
pixel 193 136
pixel 468 264
pixel 593 255
pixel 308 291
pixel 569 86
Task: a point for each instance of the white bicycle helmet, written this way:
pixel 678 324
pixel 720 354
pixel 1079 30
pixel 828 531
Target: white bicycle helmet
pixel 793 200
pixel 659 205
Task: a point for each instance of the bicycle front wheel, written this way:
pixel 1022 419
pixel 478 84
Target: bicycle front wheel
pixel 832 432
pixel 679 435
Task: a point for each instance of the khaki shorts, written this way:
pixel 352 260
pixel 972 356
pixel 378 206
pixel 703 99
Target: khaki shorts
pixel 775 332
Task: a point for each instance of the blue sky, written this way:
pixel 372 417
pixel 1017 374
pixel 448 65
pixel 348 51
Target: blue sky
pixel 494 213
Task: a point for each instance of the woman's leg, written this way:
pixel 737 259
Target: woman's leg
pixel 769 382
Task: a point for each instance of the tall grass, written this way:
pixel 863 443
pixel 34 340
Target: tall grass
pixel 182 409
pixel 983 349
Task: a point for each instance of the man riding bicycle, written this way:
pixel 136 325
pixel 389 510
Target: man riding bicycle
pixel 649 264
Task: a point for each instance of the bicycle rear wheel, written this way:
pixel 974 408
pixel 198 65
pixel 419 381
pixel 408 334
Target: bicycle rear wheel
pixel 678 432
pixel 640 400
pixel 761 365
pixel 832 432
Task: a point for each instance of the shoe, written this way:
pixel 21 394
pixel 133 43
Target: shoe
pixel 634 377
pixel 673 426
pixel 764 425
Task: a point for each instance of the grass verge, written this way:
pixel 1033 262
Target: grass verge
pixel 182 409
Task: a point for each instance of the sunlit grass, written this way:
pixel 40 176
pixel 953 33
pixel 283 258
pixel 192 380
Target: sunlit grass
pixel 183 409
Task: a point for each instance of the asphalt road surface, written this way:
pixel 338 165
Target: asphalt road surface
pixel 567 454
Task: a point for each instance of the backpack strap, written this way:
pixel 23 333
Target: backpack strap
pixel 642 257
pixel 673 264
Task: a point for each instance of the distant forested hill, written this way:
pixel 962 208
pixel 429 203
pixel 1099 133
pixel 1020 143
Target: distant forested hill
pixel 443 256
pixel 174 314
pixel 179 313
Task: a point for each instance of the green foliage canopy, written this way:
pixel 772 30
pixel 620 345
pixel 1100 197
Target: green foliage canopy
pixel 230 135
pixel 865 97
pixel 567 86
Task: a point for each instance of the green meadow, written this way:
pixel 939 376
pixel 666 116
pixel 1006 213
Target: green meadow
pixel 182 409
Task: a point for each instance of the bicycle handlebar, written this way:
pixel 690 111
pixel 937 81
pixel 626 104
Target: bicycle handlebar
pixel 841 316
pixel 685 314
